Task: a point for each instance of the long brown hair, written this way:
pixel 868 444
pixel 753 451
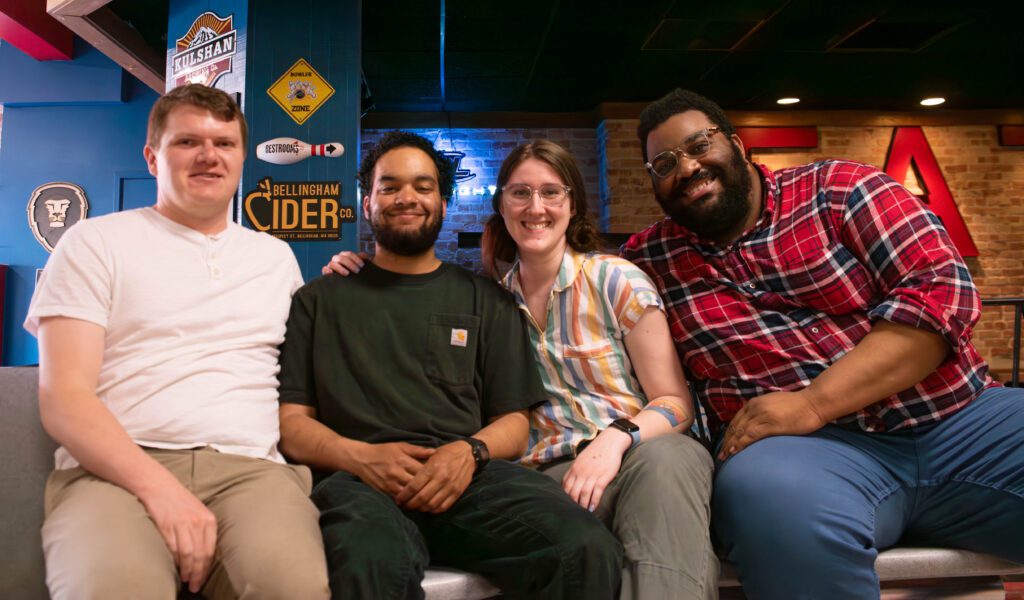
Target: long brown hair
pixel 497 244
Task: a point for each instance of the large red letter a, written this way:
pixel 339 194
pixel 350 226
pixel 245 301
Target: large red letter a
pixel 909 147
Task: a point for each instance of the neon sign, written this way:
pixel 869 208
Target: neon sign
pixel 465 190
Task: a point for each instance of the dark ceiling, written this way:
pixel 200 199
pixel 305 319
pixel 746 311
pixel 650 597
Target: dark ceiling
pixel 571 55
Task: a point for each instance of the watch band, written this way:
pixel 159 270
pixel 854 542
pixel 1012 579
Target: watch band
pixel 628 427
pixel 481 455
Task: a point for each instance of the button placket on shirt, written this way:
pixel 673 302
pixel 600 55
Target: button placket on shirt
pixel 542 343
pixel 216 272
pixel 736 269
pixel 574 407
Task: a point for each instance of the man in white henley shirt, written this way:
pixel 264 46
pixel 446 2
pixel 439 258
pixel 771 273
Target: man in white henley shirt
pixel 158 332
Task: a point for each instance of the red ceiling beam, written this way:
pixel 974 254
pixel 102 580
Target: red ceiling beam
pixel 27 26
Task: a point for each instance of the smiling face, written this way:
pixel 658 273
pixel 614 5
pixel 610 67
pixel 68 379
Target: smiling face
pixel 197 164
pixel 405 208
pixel 538 230
pixel 712 195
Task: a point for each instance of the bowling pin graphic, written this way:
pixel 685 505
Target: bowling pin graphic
pixel 288 151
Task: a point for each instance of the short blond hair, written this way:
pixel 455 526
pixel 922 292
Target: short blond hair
pixel 218 102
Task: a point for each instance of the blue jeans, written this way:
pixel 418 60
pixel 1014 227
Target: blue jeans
pixel 805 516
pixel 513 525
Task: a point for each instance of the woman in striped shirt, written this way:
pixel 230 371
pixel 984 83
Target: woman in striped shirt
pixel 617 397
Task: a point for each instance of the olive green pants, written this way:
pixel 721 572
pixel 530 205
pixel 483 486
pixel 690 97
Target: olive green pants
pixel 658 507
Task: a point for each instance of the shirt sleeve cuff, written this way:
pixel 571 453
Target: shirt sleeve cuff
pixel 641 300
pixel 918 310
pixel 37 314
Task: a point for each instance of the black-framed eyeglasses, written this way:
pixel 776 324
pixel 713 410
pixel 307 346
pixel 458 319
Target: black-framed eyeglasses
pixel 552 195
pixel 696 146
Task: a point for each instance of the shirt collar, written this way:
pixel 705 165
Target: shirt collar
pixel 769 194
pixel 186 231
pixel 572 264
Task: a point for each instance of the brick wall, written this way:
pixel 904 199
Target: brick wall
pixel 485 150
pixel 627 204
pixel 986 180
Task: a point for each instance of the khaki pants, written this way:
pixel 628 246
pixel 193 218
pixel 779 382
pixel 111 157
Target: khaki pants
pixel 658 507
pixel 99 541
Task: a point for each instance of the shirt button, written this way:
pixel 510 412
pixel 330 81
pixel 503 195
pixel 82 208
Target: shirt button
pixel 814 330
pixel 216 272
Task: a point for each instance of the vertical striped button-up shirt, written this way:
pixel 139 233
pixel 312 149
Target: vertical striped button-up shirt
pixel 595 301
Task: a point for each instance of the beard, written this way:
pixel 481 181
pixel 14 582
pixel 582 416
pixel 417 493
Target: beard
pixel 405 242
pixel 712 217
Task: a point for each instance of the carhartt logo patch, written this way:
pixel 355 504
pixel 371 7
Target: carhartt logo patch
pixel 459 337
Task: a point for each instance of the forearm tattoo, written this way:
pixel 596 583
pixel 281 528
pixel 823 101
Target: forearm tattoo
pixel 670 411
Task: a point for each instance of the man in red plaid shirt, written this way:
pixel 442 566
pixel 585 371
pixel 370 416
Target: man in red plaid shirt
pixel 826 318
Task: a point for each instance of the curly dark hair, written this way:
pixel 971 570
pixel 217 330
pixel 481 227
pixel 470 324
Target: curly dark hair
pixel 675 102
pixel 497 244
pixel 400 139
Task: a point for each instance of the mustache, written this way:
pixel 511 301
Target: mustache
pixel 679 189
pixel 390 212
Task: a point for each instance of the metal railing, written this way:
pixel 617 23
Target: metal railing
pixel 1018 311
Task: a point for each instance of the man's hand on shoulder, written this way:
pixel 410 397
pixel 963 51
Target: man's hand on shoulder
pixel 388 468
pixel 188 527
pixel 442 481
pixel 345 263
pixel 778 413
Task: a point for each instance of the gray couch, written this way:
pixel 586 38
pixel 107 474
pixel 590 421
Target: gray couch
pixel 26 458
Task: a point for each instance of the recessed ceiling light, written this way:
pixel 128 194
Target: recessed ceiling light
pixel 787 100
pixel 932 101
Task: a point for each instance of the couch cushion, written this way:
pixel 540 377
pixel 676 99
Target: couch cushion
pixel 898 564
pixel 449 584
pixel 26 459
pixel 927 563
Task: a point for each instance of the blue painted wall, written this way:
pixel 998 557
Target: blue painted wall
pixel 90 78
pixel 87 125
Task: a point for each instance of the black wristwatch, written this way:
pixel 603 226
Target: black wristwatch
pixel 481 455
pixel 629 428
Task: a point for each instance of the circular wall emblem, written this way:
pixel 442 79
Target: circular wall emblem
pixel 53 208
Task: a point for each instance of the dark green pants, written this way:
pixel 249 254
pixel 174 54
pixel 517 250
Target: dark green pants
pixel 514 526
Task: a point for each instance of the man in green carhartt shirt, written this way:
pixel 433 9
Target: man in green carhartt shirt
pixel 406 386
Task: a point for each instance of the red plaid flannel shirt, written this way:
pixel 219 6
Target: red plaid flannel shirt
pixel 838 246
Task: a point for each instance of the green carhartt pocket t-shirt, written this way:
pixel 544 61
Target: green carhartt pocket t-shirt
pixel 426 359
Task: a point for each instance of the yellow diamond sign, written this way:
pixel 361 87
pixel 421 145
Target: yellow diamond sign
pixel 300 91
